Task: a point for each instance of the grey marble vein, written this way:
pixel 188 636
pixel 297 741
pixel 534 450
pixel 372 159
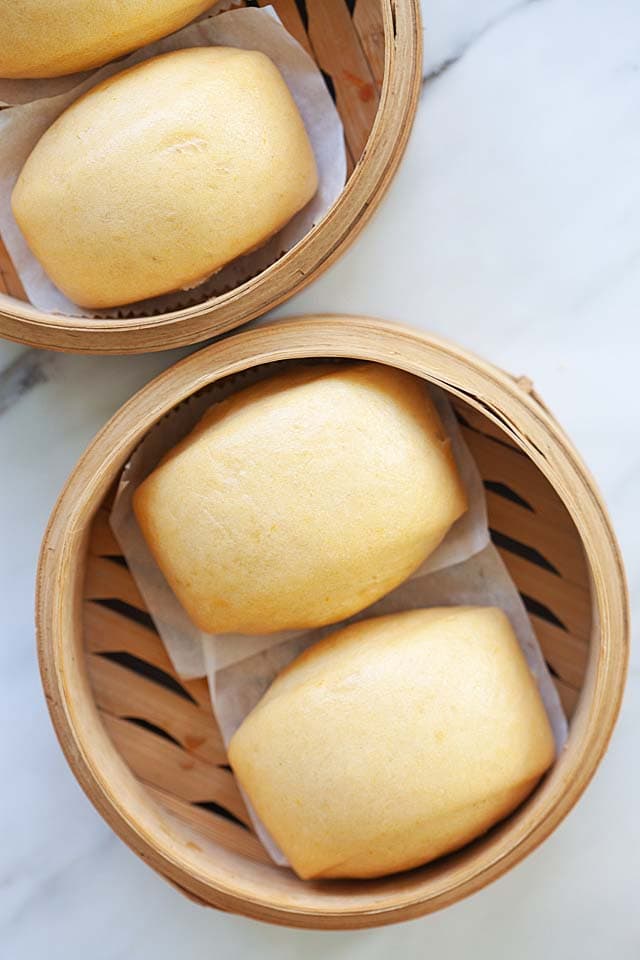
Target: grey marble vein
pixel 442 66
pixel 28 370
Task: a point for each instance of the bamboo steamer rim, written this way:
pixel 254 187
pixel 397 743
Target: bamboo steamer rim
pixel 508 405
pixel 361 195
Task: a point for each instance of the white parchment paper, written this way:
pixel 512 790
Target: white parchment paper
pixel 251 28
pixel 17 92
pixel 465 570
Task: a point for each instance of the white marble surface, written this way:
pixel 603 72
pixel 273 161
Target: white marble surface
pixel 512 228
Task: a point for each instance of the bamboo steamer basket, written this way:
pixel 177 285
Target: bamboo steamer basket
pixel 144 744
pixel 370 52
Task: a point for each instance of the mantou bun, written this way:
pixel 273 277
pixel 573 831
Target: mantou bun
pixel 302 499
pixel 161 175
pixel 51 38
pixel 394 741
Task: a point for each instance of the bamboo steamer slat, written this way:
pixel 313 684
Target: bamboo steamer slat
pixel 144 744
pixel 371 54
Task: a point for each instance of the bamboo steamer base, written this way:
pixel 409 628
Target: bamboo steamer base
pixel 144 744
pixel 370 52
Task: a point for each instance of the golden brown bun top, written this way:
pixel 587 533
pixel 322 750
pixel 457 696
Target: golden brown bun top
pixel 394 741
pixel 51 38
pixel 162 174
pixel 302 499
